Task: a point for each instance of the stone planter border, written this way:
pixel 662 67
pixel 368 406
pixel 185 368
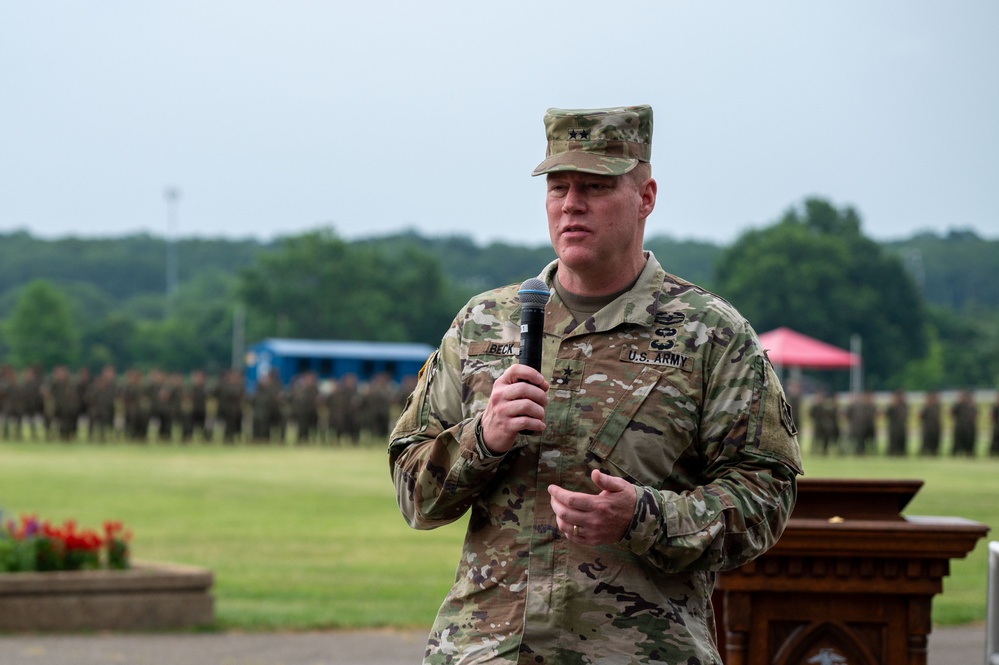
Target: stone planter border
pixel 148 596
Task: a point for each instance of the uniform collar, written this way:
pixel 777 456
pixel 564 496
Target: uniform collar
pixel 637 306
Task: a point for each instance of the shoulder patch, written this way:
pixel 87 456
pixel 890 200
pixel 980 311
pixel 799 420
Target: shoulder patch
pixel 427 364
pixel 778 435
pixel 787 418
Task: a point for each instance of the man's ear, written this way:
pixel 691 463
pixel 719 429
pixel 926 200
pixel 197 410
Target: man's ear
pixel 647 190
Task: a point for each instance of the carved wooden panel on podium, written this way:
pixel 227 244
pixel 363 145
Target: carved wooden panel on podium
pixel 850 582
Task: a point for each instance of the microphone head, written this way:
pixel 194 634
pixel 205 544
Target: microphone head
pixel 534 292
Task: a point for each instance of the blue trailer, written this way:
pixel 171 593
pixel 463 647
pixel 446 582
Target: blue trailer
pixel 333 359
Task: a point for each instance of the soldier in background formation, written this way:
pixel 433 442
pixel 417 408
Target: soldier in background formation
pixel 897 415
pixel 7 381
pixel 135 407
pixel 165 395
pixel 32 402
pixel 964 413
pixel 305 406
pixel 344 403
pixel 930 424
pixel 266 406
pixel 824 413
pixel 194 402
pixel 376 406
pixel 230 406
pixel 65 401
pixel 861 416
pixel 101 405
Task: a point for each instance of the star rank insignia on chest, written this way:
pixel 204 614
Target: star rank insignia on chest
pixel 563 378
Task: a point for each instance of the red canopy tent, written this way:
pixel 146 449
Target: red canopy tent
pixel 788 348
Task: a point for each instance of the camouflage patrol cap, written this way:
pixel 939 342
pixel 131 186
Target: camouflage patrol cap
pixel 609 141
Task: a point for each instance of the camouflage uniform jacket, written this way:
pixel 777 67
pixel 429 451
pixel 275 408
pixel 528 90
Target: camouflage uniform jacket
pixel 667 387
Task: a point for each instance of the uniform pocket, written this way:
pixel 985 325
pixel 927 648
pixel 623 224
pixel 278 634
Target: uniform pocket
pixel 647 430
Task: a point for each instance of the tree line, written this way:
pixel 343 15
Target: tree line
pixel 926 307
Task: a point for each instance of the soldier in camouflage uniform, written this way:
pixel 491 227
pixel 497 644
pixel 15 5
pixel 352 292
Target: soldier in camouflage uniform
pixel 376 404
pixel 824 413
pixel 965 424
pixel 195 394
pixel 33 401
pixel 8 379
pixel 266 405
pixel 930 424
pixel 171 404
pixel 861 425
pixel 158 395
pixel 65 403
pixel 83 383
pixel 344 405
pixel 897 415
pixel 305 406
pixel 659 444
pixel 135 407
pixel 101 405
pixel 230 406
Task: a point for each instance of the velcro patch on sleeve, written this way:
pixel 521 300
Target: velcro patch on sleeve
pixel 779 434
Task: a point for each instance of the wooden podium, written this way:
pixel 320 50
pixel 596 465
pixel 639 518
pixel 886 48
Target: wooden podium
pixel 849 583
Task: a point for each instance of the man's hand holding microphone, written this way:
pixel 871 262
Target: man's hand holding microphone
pixel 519 397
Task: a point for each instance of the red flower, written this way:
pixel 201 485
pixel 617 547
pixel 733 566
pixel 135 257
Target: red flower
pixel 68 547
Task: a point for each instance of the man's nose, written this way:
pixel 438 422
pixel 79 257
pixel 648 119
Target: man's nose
pixel 575 200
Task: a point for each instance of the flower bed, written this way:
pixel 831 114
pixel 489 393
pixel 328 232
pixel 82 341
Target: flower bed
pixel 34 545
pixel 65 579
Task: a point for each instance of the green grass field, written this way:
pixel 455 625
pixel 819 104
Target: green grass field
pixel 311 538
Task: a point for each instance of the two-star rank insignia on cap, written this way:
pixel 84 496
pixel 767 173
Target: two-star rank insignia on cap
pixel 581 134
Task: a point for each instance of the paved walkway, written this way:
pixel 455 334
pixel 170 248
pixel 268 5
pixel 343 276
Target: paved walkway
pixel 961 645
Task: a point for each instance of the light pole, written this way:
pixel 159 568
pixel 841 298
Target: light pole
pixel 172 195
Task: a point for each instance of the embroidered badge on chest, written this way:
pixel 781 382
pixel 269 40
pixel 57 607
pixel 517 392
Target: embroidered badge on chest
pixel 662 347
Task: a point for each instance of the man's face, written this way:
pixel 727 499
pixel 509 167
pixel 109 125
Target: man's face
pixel 597 223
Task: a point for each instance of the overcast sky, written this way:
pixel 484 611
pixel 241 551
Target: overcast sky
pixel 276 117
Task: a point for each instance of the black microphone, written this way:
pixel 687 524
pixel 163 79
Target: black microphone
pixel 534 295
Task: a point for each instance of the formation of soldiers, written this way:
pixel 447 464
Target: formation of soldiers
pixel 862 417
pixel 161 406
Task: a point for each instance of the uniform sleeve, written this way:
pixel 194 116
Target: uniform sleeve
pixel 751 450
pixel 438 463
